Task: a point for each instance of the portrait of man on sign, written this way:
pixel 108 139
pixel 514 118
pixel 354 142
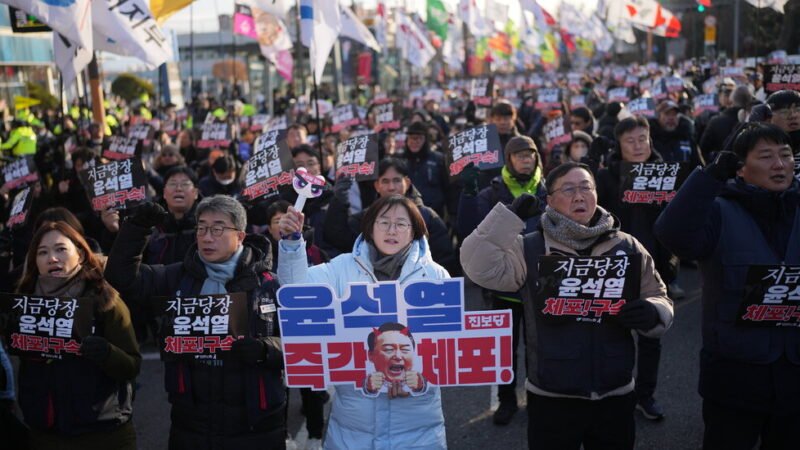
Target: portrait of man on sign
pixel 391 350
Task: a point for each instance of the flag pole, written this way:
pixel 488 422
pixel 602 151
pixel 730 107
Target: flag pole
pixel 319 122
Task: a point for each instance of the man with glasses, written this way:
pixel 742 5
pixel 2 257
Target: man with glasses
pixel 785 106
pixel 579 375
pixel 237 402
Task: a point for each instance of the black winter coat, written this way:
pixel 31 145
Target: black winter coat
pixel 221 404
pixel 717 131
pixel 677 145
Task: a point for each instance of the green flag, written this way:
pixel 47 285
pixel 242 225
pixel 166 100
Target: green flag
pixel 437 18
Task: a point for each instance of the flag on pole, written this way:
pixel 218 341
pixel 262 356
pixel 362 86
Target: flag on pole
pixel 271 33
pixel 353 28
pixel 411 41
pixel 437 18
pixel 162 9
pixel 472 17
pixel 320 23
pixel 129 29
pixel 70 58
pixel 453 50
pixel 73 19
pixel 667 24
pixel 380 24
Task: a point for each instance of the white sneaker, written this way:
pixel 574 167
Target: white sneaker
pixel 314 444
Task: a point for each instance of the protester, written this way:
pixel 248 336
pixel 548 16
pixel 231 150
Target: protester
pixel 85 402
pixel 721 126
pixel 426 168
pixel 739 211
pixel 223 178
pixel 392 247
pixel 785 107
pixel 214 403
pixel 671 135
pixel 572 372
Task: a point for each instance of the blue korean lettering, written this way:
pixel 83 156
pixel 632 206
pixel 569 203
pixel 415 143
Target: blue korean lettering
pixel 381 305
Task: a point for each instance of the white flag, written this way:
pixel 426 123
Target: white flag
pixel 777 5
pixel 412 41
pixel 453 49
pixel 73 19
pixel 354 29
pixel 641 13
pixel 469 14
pixel 380 24
pixel 617 22
pixel 131 30
pixel 319 29
pixel 70 58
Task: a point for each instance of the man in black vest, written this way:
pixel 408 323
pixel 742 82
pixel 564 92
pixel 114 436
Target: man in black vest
pixel 741 211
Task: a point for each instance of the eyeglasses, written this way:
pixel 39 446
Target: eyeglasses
pixel 184 185
pixel 385 225
pixel 786 112
pixel 571 190
pixel 216 230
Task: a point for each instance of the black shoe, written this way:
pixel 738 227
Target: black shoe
pixel 505 412
pixel 650 409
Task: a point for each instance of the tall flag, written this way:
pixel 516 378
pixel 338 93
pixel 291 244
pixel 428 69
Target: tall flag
pixel 320 23
pixel 380 24
pixel 412 41
pixel 70 58
pixel 162 9
pixel 73 19
pixel 667 24
pixel 270 32
pixel 777 5
pixel 437 19
pixel 617 21
pixel 470 15
pixel 129 29
pixel 453 50
pixel 542 18
pixel 353 28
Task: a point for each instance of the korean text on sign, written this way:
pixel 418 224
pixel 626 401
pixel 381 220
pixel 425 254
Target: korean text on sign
pixel 116 184
pixel 479 145
pixel 325 338
pixel 772 297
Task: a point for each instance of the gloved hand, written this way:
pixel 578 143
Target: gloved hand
pixel 724 166
pixel 469 178
pixel 95 348
pixel 148 214
pixel 341 190
pixel 249 350
pixel 599 148
pixel 637 315
pixel 525 206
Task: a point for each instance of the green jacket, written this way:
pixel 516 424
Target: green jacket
pixel 22 141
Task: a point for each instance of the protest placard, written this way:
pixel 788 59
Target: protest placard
pixel 651 182
pixel 343 117
pixel 556 132
pixel 19 171
pixel 643 106
pixel 771 297
pixel 387 116
pixel 705 102
pixel 117 184
pixel 548 98
pixel 269 167
pixel 358 157
pixel 214 135
pixel 329 340
pixel 20 208
pixel 121 147
pixel 479 145
pixel 778 77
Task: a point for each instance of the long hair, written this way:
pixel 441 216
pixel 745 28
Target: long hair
pixel 91 270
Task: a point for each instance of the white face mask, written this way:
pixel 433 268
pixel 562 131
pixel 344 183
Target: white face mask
pixel 225 182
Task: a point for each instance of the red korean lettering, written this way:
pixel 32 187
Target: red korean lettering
pixel 755 313
pixel 553 306
pixel 477 357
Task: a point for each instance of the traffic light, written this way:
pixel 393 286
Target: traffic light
pixel 700 8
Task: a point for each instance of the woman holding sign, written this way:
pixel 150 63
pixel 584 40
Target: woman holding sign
pixel 392 246
pixel 82 402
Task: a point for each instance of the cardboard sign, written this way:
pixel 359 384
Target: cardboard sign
pixel 771 297
pixel 19 171
pixel 651 182
pixel 480 91
pixel 577 101
pixel 343 117
pixel 259 121
pixel 171 126
pixel 672 84
pixel 202 327
pixel 269 167
pixel 586 289
pixel 548 98
pixel 358 157
pixel 214 135
pixel 631 81
pixel 574 80
pixel 778 77
pixel 277 123
pixel 20 208
pixel 121 147
pixel 47 327
pixel 116 184
pixel 643 106
pixel 326 340
pixel 619 94
pixel 387 116
pixel 142 131
pixel 705 102
pixel 479 145
pixel 535 81
pixel 556 132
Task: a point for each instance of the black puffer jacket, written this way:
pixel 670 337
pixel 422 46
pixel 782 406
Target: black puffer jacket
pixel 215 404
pixel 717 131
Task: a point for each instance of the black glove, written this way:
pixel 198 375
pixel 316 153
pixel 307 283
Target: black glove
pixel 249 350
pixel 525 206
pixel 341 190
pixel 469 178
pixel 599 148
pixel 724 166
pixel 148 214
pixel 638 315
pixel 95 348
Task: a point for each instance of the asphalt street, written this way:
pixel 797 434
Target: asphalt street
pixel 468 411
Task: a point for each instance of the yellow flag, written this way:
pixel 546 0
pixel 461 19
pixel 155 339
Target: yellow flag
pixel 24 102
pixel 162 9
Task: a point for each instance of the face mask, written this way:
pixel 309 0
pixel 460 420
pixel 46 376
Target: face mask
pixel 225 182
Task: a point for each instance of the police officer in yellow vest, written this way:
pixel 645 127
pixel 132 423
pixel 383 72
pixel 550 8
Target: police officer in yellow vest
pixel 22 140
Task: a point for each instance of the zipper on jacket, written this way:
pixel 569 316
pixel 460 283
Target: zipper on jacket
pixel 369 272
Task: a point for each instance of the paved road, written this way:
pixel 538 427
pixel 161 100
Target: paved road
pixel 468 411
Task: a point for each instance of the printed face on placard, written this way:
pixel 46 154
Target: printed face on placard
pixel 393 355
pixel 57 255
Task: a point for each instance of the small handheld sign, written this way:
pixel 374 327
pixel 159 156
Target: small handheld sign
pixel 306 185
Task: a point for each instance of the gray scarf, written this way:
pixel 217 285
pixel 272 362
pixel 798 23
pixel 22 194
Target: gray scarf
pixel 561 228
pixel 68 286
pixel 388 267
